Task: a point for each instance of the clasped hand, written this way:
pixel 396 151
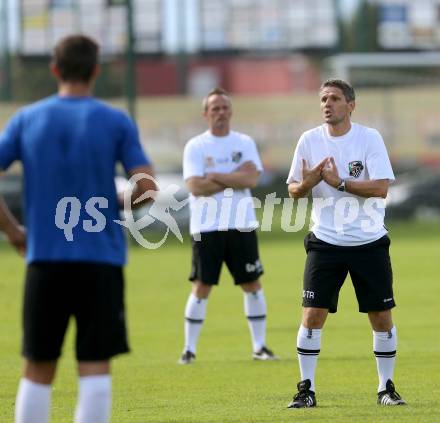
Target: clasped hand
pixel 325 170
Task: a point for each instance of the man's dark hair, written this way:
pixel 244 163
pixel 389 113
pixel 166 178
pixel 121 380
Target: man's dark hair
pixel 76 57
pixel 215 91
pixel 344 86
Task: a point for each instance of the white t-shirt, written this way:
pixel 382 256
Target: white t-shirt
pixel 341 218
pixel 228 209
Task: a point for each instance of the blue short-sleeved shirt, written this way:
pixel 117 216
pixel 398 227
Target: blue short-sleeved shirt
pixel 69 147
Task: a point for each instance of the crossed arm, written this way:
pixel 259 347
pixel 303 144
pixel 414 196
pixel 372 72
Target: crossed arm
pixel 327 171
pixel 244 176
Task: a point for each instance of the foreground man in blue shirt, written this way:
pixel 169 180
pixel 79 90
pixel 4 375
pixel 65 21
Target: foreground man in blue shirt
pixel 69 145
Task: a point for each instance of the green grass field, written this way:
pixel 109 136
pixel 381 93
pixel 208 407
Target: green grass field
pixel 225 385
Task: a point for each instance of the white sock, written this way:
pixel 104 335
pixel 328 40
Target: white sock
pixel 33 402
pixel 195 313
pixel 308 345
pixel 94 399
pixel 255 311
pixel 384 347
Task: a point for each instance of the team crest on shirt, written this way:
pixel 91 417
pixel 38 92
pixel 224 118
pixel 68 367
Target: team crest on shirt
pixel 209 161
pixel 355 168
pixel 236 156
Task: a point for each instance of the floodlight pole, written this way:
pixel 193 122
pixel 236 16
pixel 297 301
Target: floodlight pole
pixel 131 62
pixel 340 25
pixel 182 57
pixel 6 80
pixel 361 41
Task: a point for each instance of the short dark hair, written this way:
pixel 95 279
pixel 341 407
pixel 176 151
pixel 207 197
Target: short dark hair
pixel 214 91
pixel 344 86
pixel 76 57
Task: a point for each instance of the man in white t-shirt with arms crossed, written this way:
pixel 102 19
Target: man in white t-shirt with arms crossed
pixel 219 167
pixel 346 166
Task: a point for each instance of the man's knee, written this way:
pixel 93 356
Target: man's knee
pixel 201 290
pixel 253 286
pixel 93 368
pixel 314 318
pixel 40 371
pixel 381 321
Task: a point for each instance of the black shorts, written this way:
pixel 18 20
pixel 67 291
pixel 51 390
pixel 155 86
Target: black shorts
pixel 90 292
pixel 239 250
pixel 327 267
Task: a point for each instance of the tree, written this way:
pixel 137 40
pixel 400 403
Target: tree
pixel 359 34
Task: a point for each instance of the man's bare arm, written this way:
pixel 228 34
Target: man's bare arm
pixel 311 177
pixel 202 186
pixel 9 225
pixel 298 189
pixel 245 176
pixel 366 189
pixel 145 188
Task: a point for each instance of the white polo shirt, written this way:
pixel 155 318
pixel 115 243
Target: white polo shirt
pixel 228 209
pixel 341 218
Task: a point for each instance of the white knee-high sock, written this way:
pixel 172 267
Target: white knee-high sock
pixel 94 399
pixel 384 347
pixel 255 310
pixel 33 402
pixel 308 345
pixel 195 313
